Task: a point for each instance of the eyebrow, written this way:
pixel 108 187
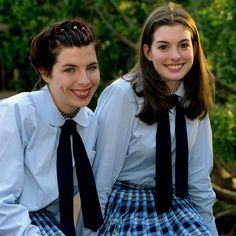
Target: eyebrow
pixel 72 65
pixel 181 41
pixel 69 65
pixel 93 63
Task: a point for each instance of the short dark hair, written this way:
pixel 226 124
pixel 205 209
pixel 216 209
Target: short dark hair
pixel 46 46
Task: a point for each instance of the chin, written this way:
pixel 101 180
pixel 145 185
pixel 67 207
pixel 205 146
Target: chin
pixel 83 104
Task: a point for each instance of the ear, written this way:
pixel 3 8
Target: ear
pixel 44 74
pixel 146 51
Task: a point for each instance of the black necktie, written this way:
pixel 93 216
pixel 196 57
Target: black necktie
pixel 163 158
pixel 92 215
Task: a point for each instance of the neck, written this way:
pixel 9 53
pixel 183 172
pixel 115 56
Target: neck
pixel 69 115
pixel 173 85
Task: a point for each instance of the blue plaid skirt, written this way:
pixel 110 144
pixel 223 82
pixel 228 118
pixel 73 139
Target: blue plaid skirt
pixel 46 223
pixel 131 211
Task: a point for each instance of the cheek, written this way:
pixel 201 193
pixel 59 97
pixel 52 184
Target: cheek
pixel 190 58
pixel 60 83
pixel 96 78
pixel 158 58
pixel 158 61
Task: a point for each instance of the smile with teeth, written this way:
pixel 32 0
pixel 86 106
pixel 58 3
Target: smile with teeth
pixel 175 67
pixel 81 93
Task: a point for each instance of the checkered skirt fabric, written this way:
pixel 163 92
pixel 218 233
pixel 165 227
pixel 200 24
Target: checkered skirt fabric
pixel 46 223
pixel 131 211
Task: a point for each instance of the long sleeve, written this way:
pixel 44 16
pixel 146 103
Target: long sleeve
pixel 126 149
pixel 115 112
pixel 29 138
pixel 14 218
pixel 200 166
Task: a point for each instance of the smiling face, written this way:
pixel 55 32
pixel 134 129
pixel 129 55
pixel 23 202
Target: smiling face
pixel 171 53
pixel 74 78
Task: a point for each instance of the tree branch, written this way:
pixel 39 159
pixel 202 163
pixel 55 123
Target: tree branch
pixel 231 212
pixel 222 85
pixel 129 43
pixel 116 33
pixel 224 194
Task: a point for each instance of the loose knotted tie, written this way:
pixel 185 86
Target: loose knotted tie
pixel 163 158
pixel 92 215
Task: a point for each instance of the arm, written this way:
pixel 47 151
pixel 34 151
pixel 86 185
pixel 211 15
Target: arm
pixel 14 218
pixel 200 166
pixel 115 113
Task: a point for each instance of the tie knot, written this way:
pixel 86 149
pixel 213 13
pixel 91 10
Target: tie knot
pixel 173 100
pixel 70 125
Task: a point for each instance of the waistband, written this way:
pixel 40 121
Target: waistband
pixel 128 185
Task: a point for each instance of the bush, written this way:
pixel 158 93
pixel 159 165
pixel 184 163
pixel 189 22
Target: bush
pixel 223 122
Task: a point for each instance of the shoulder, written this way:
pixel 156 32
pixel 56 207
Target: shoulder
pixel 19 112
pixel 117 99
pixel 120 89
pixel 18 102
pixel 121 84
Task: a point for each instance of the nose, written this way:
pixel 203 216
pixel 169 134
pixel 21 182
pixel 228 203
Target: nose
pixel 175 54
pixel 83 78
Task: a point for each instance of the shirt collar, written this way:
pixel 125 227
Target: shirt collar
pixel 180 92
pixel 49 111
pixel 82 117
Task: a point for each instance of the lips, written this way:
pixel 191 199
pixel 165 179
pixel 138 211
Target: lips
pixel 81 93
pixel 175 68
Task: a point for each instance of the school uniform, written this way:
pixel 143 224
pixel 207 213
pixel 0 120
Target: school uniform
pixel 30 129
pixel 124 170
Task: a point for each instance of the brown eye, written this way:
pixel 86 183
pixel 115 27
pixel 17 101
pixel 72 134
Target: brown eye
pixel 92 67
pixel 184 45
pixel 162 47
pixel 69 70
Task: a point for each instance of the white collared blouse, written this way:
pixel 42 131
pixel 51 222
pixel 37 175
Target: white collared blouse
pixel 29 135
pixel 126 146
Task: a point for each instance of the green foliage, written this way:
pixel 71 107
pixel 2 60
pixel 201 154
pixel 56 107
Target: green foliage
pixel 24 19
pixel 118 27
pixel 117 24
pixel 216 20
pixel 223 120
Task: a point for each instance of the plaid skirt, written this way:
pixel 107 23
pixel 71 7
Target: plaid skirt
pixel 131 211
pixel 46 223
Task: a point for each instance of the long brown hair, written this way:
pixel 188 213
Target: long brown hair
pixel 198 82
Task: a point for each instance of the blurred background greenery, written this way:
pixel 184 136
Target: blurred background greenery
pixel 117 24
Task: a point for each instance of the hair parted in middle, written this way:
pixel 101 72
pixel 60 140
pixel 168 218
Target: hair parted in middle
pixel 198 82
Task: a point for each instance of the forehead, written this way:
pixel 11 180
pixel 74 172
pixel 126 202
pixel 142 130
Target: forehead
pixel 77 55
pixel 171 33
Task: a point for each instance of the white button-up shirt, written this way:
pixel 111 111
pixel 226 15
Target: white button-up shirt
pixel 126 148
pixel 29 135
